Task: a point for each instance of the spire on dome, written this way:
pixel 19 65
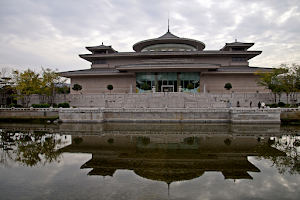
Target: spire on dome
pixel 168 23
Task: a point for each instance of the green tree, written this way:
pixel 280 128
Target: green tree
pixel 27 83
pixel 228 86
pixel 271 80
pixel 290 80
pixel 50 79
pixel 110 87
pixel 145 86
pixel 63 90
pixel 76 87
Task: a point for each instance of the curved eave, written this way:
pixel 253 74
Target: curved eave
pixel 236 44
pixel 109 48
pixel 248 70
pixel 91 57
pixel 216 72
pixel 142 44
pixel 92 72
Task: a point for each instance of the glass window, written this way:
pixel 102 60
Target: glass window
pixel 238 49
pixel 102 61
pixel 185 84
pixel 168 78
pixel 169 47
pixel 238 59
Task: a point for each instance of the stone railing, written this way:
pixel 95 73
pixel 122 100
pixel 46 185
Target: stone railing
pixel 29 112
pixel 205 115
pixel 134 100
pixel 172 115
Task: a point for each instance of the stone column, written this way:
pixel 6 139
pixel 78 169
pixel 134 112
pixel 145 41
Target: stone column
pixel 204 88
pixel 130 88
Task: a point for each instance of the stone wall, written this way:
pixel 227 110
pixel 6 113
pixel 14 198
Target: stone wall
pixel 292 113
pixel 162 100
pixel 171 115
pixel 160 115
pixel 73 115
pixel 29 112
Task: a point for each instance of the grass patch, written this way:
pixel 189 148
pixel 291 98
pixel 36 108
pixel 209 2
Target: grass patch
pixel 27 119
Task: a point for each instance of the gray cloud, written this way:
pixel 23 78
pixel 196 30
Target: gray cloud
pixel 53 33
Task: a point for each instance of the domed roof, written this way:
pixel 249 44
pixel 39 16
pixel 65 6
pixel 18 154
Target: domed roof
pixel 169 38
pixel 169 175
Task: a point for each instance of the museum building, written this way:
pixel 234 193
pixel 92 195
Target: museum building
pixel 167 64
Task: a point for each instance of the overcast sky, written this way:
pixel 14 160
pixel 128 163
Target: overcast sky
pixel 51 33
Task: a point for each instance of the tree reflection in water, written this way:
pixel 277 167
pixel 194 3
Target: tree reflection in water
pixel 30 149
pixel 289 144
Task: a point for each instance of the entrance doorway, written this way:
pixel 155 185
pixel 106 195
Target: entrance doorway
pixel 167 88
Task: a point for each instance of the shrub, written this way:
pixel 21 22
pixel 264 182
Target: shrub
pixel 190 141
pixel 145 86
pixel 274 105
pixel 45 105
pixel 64 105
pixel 110 141
pixel 190 86
pixel 36 105
pixel 228 86
pixel 227 142
pixel 15 105
pixel 110 88
pixel 281 104
pixel 145 141
pixel 76 87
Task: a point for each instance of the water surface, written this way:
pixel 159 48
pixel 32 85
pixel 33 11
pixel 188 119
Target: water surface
pixel 149 161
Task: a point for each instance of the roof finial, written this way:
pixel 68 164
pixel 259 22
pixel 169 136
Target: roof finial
pixel 168 23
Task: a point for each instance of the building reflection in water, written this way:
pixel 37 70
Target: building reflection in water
pixel 167 152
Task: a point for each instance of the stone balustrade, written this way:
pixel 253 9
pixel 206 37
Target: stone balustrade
pixel 172 115
pixel 159 115
pixel 165 99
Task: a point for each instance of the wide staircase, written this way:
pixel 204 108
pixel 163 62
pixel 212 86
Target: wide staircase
pixel 165 100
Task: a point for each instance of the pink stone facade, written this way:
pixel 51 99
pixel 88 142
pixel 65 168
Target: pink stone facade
pixel 167 54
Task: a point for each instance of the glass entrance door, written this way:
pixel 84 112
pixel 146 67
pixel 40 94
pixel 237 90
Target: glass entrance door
pixel 167 81
pixel 167 88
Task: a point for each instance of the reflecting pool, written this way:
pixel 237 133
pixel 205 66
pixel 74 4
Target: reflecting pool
pixel 149 161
